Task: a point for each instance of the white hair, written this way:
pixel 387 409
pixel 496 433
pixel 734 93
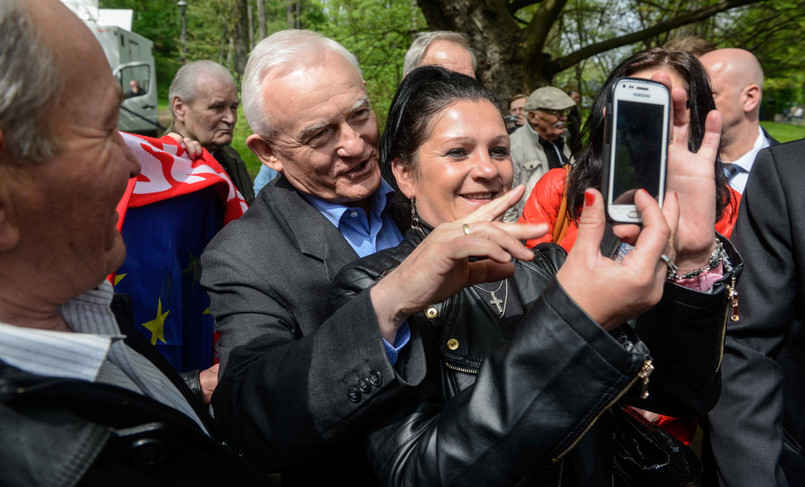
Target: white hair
pixel 281 49
pixel 184 83
pixel 423 40
pixel 30 86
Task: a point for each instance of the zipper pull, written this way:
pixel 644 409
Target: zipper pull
pixel 644 374
pixel 733 297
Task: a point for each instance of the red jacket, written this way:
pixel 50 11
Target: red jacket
pixel 542 206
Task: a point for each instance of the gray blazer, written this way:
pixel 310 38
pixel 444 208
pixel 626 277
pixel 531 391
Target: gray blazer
pixel 296 381
pixel 758 426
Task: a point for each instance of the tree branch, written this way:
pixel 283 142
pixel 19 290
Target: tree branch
pixel 678 21
pixel 516 5
pixel 540 26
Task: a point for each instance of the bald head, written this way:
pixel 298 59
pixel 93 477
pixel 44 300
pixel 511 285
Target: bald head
pixel 737 81
pixel 734 65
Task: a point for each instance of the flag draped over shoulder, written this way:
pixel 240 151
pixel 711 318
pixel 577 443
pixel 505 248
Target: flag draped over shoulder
pixel 168 214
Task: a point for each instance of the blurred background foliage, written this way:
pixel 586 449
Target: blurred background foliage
pixel 578 41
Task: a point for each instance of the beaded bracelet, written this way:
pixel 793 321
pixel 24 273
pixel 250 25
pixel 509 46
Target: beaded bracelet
pixel 715 259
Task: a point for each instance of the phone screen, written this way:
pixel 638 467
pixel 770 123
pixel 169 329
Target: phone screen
pixel 638 150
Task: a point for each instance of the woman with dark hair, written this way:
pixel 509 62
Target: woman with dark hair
pixel 545 201
pixel 524 358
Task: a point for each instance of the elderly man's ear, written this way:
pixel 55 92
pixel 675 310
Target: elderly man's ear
pixel 177 107
pixel 264 152
pixel 9 229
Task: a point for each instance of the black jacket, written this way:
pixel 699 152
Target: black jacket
pixel 63 432
pixel 504 405
pixel 758 426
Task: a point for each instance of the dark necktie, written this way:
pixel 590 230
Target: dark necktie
pixel 732 170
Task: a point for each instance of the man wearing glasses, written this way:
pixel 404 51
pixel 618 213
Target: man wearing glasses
pixel 539 145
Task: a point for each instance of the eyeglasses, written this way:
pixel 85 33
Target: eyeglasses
pixel 555 113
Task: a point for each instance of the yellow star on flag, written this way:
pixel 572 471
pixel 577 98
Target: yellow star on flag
pixel 192 268
pixel 157 325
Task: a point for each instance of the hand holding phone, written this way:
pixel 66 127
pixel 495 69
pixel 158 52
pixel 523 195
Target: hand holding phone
pixel 637 128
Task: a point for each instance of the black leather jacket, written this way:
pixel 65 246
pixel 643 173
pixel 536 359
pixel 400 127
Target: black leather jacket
pixel 520 405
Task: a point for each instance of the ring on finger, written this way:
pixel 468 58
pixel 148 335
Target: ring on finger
pixel 466 229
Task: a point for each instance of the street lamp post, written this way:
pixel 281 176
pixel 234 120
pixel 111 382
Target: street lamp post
pixel 182 6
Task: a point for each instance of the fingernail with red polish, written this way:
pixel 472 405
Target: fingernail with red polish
pixel 589 199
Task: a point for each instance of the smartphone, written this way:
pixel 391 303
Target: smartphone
pixel 636 146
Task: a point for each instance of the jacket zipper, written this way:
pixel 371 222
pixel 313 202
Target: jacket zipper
pixel 561 472
pixel 732 314
pixel 644 374
pixel 461 369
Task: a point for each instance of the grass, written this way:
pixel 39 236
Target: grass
pixel 784 132
pixel 242 131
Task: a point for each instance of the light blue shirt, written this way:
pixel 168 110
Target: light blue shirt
pixel 367 236
pixel 265 176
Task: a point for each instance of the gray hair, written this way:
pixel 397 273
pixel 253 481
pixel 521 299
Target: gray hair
pixel 415 54
pixel 184 83
pixel 284 48
pixel 30 85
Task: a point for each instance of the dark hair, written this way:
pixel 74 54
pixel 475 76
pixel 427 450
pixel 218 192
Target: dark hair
pixel 422 95
pixel 586 171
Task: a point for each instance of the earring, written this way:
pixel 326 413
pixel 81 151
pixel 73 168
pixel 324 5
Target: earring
pixel 414 217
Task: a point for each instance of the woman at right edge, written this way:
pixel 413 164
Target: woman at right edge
pixel 516 395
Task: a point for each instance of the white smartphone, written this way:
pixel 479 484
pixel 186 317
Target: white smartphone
pixel 638 123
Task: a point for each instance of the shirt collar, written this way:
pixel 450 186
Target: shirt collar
pixel 380 200
pixel 746 160
pixel 63 354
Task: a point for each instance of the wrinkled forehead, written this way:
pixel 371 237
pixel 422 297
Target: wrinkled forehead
pixel 307 89
pixel 208 87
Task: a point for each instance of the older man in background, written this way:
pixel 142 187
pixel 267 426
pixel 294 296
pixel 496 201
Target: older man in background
pixel 204 104
pixel 737 81
pixel 84 399
pixel 540 145
pixel 449 50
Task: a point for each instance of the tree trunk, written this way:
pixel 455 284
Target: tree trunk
pixel 241 37
pixel 496 38
pixel 512 58
pixel 261 19
pixel 250 21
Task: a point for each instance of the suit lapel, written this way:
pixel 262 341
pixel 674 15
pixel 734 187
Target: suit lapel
pixel 315 236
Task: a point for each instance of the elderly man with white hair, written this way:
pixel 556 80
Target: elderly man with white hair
pixel 204 104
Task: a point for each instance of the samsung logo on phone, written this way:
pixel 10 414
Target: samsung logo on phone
pixel 641 95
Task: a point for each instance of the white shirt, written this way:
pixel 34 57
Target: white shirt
pixel 738 182
pixel 95 352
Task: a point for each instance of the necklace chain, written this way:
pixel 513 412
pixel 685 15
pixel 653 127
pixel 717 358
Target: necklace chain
pixel 495 301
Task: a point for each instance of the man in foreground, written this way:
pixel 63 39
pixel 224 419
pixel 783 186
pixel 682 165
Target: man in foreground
pixel 82 399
